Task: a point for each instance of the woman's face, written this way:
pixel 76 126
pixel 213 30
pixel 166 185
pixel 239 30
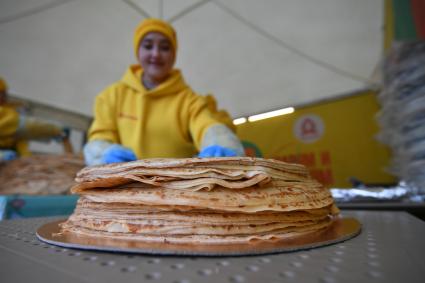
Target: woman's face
pixel 156 56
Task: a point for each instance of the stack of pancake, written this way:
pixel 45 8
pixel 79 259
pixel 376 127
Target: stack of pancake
pixel 41 174
pixel 210 200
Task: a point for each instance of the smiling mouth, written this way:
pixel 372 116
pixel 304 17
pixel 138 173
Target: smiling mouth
pixel 159 64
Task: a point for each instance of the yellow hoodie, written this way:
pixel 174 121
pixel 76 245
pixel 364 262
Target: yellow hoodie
pixel 167 121
pixel 9 124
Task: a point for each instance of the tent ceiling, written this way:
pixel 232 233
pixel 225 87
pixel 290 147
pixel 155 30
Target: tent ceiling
pixel 268 55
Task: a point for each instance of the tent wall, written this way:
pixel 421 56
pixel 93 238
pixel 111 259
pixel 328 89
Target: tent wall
pixel 277 53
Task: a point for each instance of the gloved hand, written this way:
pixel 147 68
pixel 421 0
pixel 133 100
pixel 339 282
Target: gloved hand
pixel 216 151
pixel 219 135
pixel 7 155
pixel 118 153
pixel 93 151
pixel 65 133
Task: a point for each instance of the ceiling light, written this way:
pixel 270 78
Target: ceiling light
pixel 270 114
pixel 239 121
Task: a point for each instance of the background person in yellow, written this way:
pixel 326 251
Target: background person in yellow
pixel 16 128
pixel 151 112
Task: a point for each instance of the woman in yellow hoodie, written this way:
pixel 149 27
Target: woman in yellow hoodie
pixel 151 112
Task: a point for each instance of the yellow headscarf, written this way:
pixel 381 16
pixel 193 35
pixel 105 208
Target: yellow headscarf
pixel 154 25
pixel 3 84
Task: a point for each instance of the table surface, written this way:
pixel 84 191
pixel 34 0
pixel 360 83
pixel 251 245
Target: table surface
pixel 390 248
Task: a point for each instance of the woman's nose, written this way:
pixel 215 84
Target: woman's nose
pixel 155 51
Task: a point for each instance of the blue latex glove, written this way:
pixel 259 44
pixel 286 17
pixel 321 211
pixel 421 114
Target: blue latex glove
pixel 7 155
pixel 118 153
pixel 216 151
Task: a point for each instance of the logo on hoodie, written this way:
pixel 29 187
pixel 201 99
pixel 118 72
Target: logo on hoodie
pixel 127 116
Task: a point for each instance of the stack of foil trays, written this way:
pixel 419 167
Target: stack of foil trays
pixel 399 193
pixel 402 116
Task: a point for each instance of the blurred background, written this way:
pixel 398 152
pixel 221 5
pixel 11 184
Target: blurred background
pixel 347 74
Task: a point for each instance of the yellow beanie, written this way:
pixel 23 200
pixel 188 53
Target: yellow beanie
pixel 154 25
pixel 3 84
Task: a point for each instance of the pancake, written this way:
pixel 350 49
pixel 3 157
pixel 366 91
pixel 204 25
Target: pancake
pixel 272 197
pixel 226 171
pixel 289 233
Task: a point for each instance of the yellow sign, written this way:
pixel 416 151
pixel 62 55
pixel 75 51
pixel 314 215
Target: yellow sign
pixel 334 139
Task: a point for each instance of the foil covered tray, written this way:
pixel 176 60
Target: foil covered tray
pixel 340 230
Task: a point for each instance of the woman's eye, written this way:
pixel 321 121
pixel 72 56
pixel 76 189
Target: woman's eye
pixel 147 46
pixel 165 47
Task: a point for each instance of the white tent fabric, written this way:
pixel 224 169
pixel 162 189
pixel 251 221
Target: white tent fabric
pixel 253 56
